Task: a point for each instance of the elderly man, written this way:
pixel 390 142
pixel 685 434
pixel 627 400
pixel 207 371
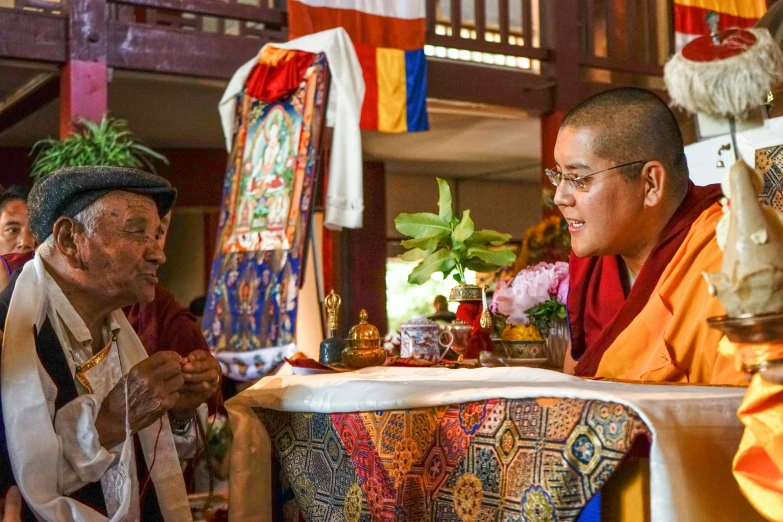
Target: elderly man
pixel 93 425
pixel 641 234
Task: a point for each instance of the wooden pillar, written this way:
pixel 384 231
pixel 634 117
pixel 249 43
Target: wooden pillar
pixel 550 125
pixel 359 256
pixel 567 51
pixel 84 78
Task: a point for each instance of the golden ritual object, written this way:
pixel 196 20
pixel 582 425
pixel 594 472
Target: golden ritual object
pixel 486 317
pixel 332 304
pixel 364 345
pixel 331 349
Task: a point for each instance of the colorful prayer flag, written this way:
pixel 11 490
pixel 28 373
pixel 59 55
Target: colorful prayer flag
pixel 389 37
pixel 690 22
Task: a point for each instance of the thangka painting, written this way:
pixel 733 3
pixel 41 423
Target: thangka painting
pixel 250 317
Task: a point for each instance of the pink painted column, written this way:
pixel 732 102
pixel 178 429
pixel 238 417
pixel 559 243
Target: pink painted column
pixel 84 78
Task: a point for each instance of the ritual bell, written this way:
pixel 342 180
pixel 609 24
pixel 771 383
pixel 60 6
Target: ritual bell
pixel 332 348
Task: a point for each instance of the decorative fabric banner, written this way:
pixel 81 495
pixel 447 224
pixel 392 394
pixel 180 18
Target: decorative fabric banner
pixel 389 39
pixel 539 459
pixel 250 317
pixel 690 22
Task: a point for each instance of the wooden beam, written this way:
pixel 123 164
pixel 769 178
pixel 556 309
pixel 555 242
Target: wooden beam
pixel 465 81
pixel 363 255
pixel 534 53
pixel 232 10
pixel 481 20
pixel 32 36
pixel 456 18
pixel 42 90
pixel 166 50
pixel 567 53
pixel 503 20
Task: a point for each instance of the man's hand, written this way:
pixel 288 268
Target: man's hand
pixel 11 509
pixel 201 373
pixel 153 389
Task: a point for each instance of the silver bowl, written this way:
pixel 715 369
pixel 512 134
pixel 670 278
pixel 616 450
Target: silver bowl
pixel 519 349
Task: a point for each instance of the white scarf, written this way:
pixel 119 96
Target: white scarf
pixel 33 445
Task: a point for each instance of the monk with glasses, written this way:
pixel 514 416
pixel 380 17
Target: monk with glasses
pixel 641 235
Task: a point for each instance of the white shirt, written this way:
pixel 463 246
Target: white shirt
pixel 85 460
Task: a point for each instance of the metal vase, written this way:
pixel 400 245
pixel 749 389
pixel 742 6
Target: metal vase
pixel 558 342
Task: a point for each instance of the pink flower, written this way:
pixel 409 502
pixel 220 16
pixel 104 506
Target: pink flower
pixel 530 288
pixel 503 298
pixel 559 274
pixel 562 291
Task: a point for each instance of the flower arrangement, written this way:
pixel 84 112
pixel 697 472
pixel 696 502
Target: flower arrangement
pixel 535 297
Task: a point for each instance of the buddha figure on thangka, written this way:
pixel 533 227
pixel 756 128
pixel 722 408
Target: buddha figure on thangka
pixel 250 317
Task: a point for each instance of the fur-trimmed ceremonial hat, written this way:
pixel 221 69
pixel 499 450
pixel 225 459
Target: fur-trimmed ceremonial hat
pixel 67 192
pixel 726 73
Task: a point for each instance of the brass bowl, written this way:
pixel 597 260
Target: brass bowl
pixel 363 357
pixel 463 293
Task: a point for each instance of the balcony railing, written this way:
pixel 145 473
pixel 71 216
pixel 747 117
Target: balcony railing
pixel 627 36
pixel 577 46
pixel 504 33
pixel 247 18
pixel 616 36
pixel 633 36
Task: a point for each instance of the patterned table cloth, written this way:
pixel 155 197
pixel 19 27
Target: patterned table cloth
pixel 501 444
pixel 537 459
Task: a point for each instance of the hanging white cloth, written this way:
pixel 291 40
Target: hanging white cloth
pixel 344 196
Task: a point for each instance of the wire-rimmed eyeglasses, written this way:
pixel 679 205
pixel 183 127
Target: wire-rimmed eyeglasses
pixel 578 182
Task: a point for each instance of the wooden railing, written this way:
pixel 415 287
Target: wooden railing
pixel 567 49
pixel 259 19
pixel 496 32
pixel 628 36
pixel 631 36
pixel 618 36
pixel 50 7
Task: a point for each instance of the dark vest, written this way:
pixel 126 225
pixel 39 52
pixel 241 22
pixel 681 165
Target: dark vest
pixel 51 355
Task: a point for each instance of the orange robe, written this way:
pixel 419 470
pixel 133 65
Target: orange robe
pixel 758 464
pixel 669 340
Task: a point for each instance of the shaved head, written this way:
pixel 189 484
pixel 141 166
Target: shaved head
pixel 633 124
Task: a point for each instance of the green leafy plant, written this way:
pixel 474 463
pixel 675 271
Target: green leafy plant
pixel 447 243
pixel 108 143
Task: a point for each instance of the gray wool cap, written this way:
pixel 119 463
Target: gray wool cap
pixel 67 192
